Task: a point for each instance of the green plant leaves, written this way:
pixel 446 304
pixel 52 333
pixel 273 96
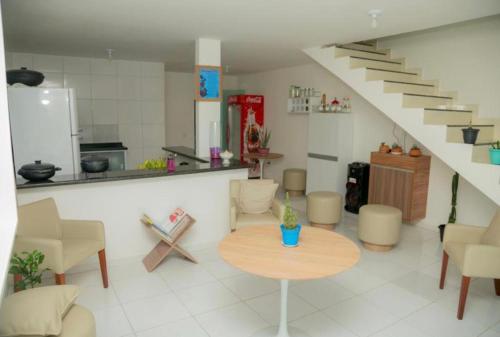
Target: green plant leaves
pixel 27 268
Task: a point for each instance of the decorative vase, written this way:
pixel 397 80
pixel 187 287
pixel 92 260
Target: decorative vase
pixel 470 135
pixel 397 150
pixel 290 237
pixel 495 156
pixel 263 150
pixel 415 152
pixel 384 148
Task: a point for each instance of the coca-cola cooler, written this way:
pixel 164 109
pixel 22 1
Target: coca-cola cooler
pixel 245 121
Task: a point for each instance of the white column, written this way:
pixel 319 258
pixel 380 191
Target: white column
pixel 207 54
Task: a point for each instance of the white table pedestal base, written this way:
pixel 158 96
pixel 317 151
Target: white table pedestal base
pixel 283 330
pixel 262 161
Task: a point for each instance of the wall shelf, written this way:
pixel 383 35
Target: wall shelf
pixel 303 105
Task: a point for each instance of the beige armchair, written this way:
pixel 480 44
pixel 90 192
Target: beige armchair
pixel 65 243
pixel 239 219
pixel 476 252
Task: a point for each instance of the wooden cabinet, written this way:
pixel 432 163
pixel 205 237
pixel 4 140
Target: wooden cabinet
pixel 400 181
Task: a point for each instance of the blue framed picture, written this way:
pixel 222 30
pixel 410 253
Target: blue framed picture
pixel 208 83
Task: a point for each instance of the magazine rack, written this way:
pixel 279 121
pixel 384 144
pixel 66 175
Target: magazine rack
pixel 167 244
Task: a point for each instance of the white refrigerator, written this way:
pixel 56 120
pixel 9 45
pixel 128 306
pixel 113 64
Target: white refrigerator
pixel 44 126
pixel 330 150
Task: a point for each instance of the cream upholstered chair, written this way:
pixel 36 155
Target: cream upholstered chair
pixel 64 243
pixel 239 219
pixel 476 252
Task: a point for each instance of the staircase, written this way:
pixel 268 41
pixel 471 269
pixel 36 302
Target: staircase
pixel 433 117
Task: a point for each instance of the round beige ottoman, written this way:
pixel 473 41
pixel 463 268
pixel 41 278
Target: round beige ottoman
pixel 324 209
pixel 294 181
pixel 379 227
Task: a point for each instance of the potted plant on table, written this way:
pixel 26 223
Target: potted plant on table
pixel 26 270
pixel 265 137
pixel 396 149
pixel 470 134
pixel 290 229
pixel 452 218
pixel 415 151
pixel 495 153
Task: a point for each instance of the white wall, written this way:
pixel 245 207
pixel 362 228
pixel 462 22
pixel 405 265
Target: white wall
pixel 8 206
pixel 370 128
pixel 463 57
pixel 117 100
pixel 179 105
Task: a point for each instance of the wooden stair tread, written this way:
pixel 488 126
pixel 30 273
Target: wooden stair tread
pixel 466 125
pixel 375 60
pixel 392 71
pixel 454 110
pixel 432 96
pixel 361 50
pixel 410 83
pixel 363 43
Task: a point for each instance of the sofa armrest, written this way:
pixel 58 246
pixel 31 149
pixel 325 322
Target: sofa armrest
pixel 51 248
pixel 233 214
pixel 278 209
pixel 463 233
pixel 83 229
pixel 482 261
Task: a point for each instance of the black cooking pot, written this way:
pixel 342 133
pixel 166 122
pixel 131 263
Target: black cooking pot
pixel 38 171
pixel 94 164
pixel 24 76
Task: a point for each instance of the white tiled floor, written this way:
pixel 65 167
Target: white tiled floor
pixel 393 294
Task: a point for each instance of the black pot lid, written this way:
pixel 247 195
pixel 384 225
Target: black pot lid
pixel 38 166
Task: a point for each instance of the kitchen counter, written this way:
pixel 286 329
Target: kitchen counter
pixel 185 152
pixel 192 165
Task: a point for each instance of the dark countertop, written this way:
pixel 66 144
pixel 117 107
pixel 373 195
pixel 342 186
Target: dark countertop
pixel 91 147
pixel 193 167
pixel 185 152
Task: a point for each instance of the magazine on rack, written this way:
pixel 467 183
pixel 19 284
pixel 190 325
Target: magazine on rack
pixel 172 226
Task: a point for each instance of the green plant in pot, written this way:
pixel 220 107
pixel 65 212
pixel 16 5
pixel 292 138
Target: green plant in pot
pixel 452 218
pixel 495 153
pixel 470 134
pixel 290 229
pixel 265 137
pixel 26 269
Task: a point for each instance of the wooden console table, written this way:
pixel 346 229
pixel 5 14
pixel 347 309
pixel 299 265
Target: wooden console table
pixel 400 181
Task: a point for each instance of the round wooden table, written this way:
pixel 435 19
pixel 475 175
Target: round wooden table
pixel 258 250
pixel 262 159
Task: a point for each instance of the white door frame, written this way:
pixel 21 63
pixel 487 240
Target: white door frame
pixel 8 203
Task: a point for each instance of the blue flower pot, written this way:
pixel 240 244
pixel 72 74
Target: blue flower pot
pixel 495 156
pixel 290 236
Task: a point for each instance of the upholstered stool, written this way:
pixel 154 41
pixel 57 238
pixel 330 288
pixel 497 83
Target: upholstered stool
pixel 294 181
pixel 379 227
pixel 324 209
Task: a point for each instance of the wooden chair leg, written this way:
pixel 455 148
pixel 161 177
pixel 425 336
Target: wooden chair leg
pixel 444 268
pixel 497 286
pixel 463 296
pixel 17 278
pixel 60 279
pixel 104 268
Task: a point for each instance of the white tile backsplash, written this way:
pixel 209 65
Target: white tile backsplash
pixel 104 112
pixel 50 63
pixel 76 65
pixel 129 87
pixel 129 112
pixel 103 66
pixel 117 100
pixel 153 112
pixel 152 88
pixel 52 80
pixel 80 82
pixel 103 86
pixel 22 60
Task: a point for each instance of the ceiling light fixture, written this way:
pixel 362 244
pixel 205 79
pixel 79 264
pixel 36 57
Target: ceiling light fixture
pixel 110 53
pixel 374 13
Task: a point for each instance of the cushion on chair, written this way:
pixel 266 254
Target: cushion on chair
pixel 256 197
pixel 75 251
pixel 492 234
pixel 36 311
pixel 39 219
pixel 266 218
pixel 78 322
pixel 456 251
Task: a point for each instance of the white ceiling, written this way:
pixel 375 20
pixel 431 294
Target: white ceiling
pixel 256 35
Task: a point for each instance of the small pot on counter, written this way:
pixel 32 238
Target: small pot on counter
pixel 25 76
pixel 38 171
pixel 94 164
